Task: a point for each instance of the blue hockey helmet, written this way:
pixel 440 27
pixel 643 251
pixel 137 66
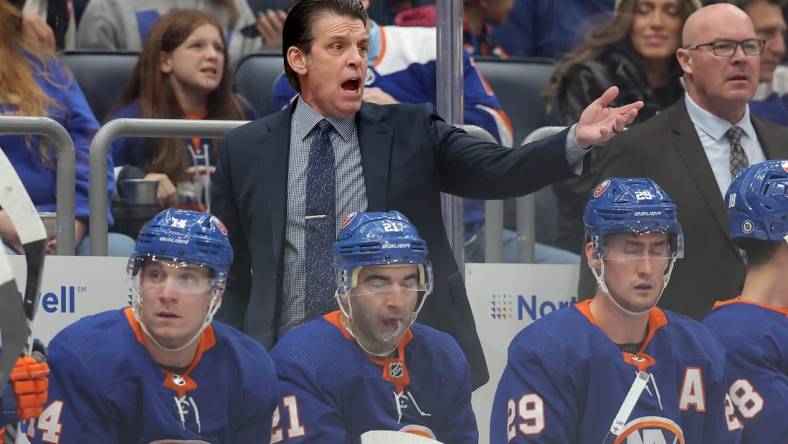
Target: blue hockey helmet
pixel 378 238
pixel 758 202
pixel 186 236
pixel 631 205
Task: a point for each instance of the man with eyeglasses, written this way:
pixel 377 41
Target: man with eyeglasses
pixel 368 366
pixel 616 368
pixel 161 371
pixel 695 147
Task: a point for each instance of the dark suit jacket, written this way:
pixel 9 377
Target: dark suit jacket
pixel 667 149
pixel 409 156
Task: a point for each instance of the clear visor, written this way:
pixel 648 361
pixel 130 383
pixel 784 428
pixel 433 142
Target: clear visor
pixel 646 246
pixel 152 273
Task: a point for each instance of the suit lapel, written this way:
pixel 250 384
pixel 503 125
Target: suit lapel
pixel 273 149
pixel 773 146
pixel 685 140
pixel 375 139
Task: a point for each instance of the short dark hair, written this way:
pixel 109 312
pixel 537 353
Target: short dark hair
pixel 298 32
pixel 757 252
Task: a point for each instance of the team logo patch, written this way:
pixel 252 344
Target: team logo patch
pixel 747 226
pixel 784 164
pixel 396 370
pixel 220 225
pixel 648 429
pixel 178 380
pixel 348 218
pixel 601 188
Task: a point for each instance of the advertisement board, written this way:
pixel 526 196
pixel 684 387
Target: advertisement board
pixel 505 298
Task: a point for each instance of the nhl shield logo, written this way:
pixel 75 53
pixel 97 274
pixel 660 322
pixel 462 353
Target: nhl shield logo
pixel 178 380
pixel 219 225
pixel 747 226
pixel 348 219
pixel 601 188
pixel 396 370
pixel 370 78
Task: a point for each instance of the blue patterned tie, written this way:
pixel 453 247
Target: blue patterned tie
pixel 320 224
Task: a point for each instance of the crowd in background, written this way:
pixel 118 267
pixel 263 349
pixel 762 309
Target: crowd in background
pixel 710 91
pixel 188 50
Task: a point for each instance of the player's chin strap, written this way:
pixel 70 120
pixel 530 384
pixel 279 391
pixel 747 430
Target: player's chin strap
pixel 213 307
pixel 348 313
pixel 600 281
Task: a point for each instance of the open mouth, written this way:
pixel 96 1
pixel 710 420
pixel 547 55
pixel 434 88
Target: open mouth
pixel 212 71
pixel 351 85
pixel 391 324
pixel 738 77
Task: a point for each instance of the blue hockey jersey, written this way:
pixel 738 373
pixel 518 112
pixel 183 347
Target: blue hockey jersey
pixel 106 388
pixel 333 391
pixel 565 382
pixel 756 337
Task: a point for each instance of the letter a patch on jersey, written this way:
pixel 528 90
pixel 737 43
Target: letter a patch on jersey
pixel 692 393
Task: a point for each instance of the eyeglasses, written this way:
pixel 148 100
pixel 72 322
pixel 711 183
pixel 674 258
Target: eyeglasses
pixel 726 48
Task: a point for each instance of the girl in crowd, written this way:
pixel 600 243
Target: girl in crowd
pixel 34 83
pixel 635 51
pixel 182 73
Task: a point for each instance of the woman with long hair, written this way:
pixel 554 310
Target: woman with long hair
pixel 34 83
pixel 635 51
pixel 182 73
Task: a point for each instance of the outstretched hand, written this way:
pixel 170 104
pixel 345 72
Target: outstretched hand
pixel 599 123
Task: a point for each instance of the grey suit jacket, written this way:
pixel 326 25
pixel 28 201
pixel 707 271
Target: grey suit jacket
pixel 409 156
pixel 667 149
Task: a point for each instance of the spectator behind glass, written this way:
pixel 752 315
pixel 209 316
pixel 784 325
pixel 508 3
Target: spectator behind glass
pixel 634 51
pixel 542 28
pixel 478 17
pixel 34 83
pixel 770 97
pixel 125 25
pixel 181 74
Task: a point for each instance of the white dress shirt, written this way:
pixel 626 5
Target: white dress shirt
pixel 711 130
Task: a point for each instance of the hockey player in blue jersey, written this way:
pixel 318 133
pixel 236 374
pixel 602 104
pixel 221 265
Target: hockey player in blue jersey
pixel 161 370
pixel 615 368
pixel 368 366
pixel 754 326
